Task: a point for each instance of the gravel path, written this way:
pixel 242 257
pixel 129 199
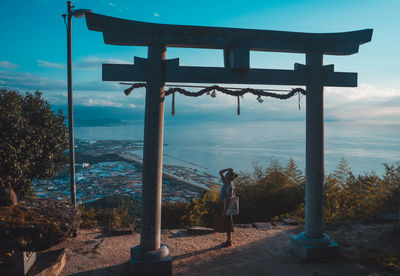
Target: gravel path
pixel 254 252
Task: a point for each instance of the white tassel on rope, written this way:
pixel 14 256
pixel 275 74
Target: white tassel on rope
pixel 238 106
pixel 173 104
pixel 299 99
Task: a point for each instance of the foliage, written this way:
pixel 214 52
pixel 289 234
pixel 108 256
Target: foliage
pixel 199 212
pixel 109 219
pixel 347 197
pixel 278 191
pixel 263 195
pixel 267 193
pixel 110 213
pixel 173 214
pixel 33 140
pixel 392 181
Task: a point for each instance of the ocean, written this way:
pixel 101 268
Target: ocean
pixel 211 146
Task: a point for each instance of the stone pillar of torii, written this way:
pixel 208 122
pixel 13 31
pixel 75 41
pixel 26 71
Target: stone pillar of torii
pixel 152 256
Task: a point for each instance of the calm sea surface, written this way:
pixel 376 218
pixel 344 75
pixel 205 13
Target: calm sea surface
pixel 210 146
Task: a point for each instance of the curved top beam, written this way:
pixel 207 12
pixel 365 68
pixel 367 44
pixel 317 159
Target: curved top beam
pixel 118 31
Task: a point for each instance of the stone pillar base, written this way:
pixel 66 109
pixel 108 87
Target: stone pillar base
pixel 313 249
pixel 157 262
pixel 22 262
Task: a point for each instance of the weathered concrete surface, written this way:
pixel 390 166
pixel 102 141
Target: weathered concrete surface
pixel 50 263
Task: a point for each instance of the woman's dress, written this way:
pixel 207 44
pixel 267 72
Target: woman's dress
pixel 224 223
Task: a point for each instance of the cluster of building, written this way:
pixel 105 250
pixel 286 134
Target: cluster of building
pixel 103 169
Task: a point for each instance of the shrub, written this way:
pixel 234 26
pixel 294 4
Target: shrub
pixel 199 212
pixel 392 182
pixel 110 213
pixel 347 197
pixel 267 193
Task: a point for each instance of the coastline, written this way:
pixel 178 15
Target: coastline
pixel 166 175
pixel 113 167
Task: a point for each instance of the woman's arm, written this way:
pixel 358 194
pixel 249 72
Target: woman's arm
pixel 221 172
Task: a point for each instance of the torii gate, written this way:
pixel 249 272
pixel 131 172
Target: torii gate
pixel 150 255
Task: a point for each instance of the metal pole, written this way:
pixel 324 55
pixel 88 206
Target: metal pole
pixel 70 109
pixel 314 147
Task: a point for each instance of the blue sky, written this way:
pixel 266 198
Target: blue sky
pixel 33 52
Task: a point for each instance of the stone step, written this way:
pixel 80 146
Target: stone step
pixel 198 230
pixel 289 221
pixel 262 225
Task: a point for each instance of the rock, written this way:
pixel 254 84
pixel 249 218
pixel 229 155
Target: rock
pixel 120 232
pixel 198 230
pixel 178 233
pixel 290 221
pixel 37 224
pixel 243 225
pixel 8 197
pixel 277 223
pixel 262 225
pixel 164 231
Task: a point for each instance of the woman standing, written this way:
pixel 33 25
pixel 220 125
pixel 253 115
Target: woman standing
pixel 224 223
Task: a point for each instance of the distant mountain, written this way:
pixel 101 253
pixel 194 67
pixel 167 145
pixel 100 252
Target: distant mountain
pixel 107 116
pixel 101 116
pixel 98 122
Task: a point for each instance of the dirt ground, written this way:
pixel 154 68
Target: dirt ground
pixel 254 252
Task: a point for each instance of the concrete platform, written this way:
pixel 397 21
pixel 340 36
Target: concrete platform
pixel 157 262
pixel 313 249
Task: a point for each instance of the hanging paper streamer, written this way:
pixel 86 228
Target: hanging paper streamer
pixel 299 99
pixel 173 105
pixel 238 107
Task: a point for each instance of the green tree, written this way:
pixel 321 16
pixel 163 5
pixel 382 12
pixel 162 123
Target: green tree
pixel 343 173
pixel 293 173
pixel 33 140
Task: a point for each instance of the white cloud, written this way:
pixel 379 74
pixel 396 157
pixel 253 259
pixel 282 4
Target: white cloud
pixel 98 86
pixel 365 102
pixel 94 63
pixel 31 82
pixel 156 14
pixel 7 65
pixel 100 102
pixel 43 63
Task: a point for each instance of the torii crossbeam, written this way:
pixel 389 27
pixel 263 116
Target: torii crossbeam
pixel 150 255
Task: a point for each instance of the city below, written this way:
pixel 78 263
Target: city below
pixel 114 167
